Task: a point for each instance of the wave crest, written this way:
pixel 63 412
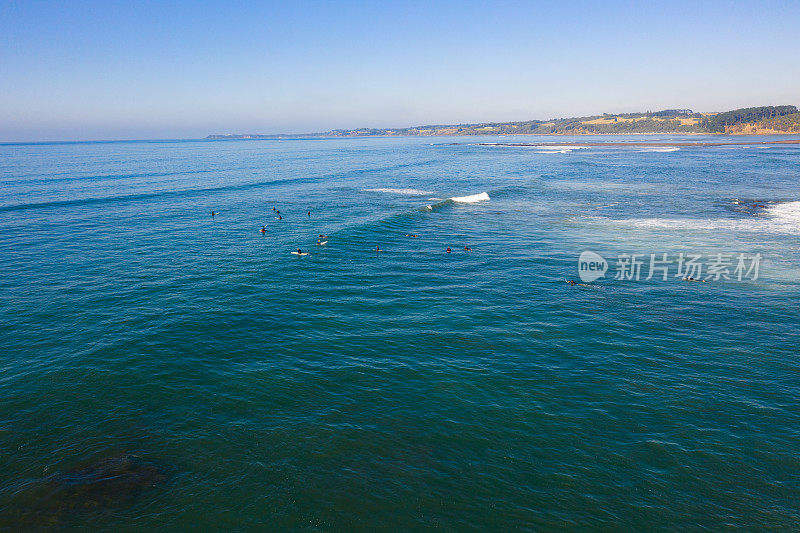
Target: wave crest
pixel 471 199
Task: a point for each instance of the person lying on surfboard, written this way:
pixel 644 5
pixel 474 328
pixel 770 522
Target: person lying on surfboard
pixel 573 283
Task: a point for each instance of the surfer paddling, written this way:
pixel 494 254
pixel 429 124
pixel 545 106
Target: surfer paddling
pixel 573 283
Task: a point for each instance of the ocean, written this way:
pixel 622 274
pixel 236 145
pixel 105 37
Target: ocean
pixel 166 369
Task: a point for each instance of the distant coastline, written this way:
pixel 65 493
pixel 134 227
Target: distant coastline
pixel 766 120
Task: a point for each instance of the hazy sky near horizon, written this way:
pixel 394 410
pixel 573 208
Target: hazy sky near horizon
pixel 180 69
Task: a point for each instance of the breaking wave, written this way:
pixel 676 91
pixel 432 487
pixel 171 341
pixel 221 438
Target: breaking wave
pixel 471 199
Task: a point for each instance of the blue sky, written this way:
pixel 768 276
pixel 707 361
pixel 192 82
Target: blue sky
pixel 124 70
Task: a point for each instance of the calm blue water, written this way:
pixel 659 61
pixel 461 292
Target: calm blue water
pixel 406 389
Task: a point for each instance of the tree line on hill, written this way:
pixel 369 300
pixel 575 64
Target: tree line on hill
pixel 719 122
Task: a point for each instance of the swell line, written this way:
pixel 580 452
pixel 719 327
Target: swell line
pixel 203 190
pixel 158 194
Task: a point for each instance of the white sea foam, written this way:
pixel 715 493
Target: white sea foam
pixel 558 149
pixel 783 218
pixel 602 186
pixel 786 213
pixel 562 147
pixel 471 199
pixel 686 224
pixel 408 192
pixel 664 149
pixel 541 149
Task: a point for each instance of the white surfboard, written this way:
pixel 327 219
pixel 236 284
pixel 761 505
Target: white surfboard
pixel 321 243
pixel 300 253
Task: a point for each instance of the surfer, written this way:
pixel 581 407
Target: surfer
pixel 299 251
pixel 212 213
pixel 449 250
pixel 273 209
pixel 690 278
pixel 263 229
pixel 378 249
pixel 573 283
pixel 413 235
pixel 309 213
pixel 467 249
pixel 280 217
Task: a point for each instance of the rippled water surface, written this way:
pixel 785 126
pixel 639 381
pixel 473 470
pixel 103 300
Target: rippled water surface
pixel 165 369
